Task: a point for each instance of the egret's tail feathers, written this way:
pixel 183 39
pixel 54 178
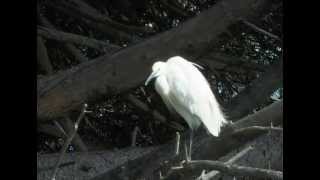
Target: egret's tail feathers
pixel 212 118
pixel 215 128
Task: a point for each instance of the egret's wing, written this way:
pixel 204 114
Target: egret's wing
pixel 162 87
pixel 191 96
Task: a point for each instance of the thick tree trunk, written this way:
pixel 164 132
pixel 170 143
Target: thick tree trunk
pixel 129 67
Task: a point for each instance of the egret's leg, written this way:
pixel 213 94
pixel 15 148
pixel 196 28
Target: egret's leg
pixel 190 145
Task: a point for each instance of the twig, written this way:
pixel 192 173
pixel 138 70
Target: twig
pixel 234 169
pixel 256 28
pixel 60 128
pixel 50 129
pixel 66 144
pixel 239 155
pixel 257 128
pixel 77 141
pixel 89 123
pixel 134 136
pixel 232 160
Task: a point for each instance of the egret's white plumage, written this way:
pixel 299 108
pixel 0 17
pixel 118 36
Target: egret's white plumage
pixel 186 91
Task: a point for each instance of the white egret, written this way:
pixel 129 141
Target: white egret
pixel 185 91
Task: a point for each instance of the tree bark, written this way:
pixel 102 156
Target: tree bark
pixel 128 68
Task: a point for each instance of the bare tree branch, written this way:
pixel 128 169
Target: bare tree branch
pixel 43 58
pixel 232 160
pixel 77 39
pixel 68 141
pixel 50 129
pixel 134 136
pixel 234 169
pixel 71 48
pixel 256 28
pixel 89 12
pixel 69 128
pixel 174 9
pixel 258 128
pixel 111 32
pixel 233 61
pixel 259 91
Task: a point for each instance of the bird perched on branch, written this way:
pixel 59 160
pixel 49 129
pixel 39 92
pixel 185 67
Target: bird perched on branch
pixel 185 91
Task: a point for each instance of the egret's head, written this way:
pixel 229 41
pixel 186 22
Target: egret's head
pixel 157 68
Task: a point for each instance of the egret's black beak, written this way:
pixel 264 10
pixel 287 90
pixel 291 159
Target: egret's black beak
pixel 153 75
